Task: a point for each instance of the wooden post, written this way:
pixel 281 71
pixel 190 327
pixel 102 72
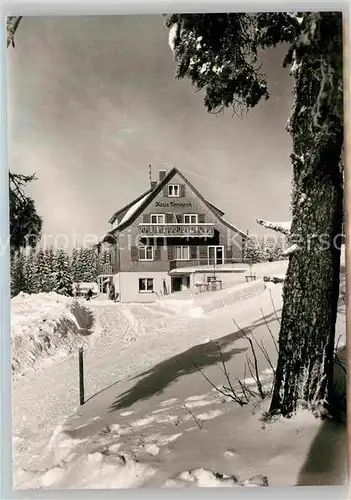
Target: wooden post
pixel 81 376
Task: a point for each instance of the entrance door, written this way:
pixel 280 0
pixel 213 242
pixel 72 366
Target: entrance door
pixel 176 284
pixel 216 255
pixel 105 283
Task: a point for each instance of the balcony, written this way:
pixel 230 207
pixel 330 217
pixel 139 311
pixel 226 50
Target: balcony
pixel 106 269
pixel 209 264
pixel 177 230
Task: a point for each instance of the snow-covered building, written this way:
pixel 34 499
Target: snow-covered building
pixel 167 240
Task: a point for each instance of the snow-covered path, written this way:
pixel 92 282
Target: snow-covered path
pixel 128 340
pixel 144 347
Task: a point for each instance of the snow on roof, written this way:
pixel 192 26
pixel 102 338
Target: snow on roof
pixel 234 228
pixel 131 211
pixel 135 206
pixel 84 284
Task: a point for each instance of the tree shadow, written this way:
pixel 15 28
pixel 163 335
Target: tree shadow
pixel 155 380
pixel 326 463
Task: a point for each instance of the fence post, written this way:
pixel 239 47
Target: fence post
pixel 81 376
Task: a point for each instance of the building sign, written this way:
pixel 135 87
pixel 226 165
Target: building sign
pixel 173 204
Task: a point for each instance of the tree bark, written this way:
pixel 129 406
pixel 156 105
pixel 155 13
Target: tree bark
pixel 311 290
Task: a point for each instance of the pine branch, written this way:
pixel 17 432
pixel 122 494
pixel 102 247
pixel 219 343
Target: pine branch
pixel 12 26
pixel 280 227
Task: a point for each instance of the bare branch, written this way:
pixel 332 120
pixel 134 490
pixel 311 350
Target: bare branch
pixel 270 331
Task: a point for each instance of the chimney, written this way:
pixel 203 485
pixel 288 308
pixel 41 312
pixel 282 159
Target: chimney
pixel 161 175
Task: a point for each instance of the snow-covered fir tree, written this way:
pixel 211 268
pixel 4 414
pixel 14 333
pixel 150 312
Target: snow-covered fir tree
pixel 250 251
pixel 43 272
pixel 93 264
pixel 62 277
pixel 74 266
pixel 50 258
pixel 83 264
pixel 18 279
pixel 263 249
pixel 88 264
pixel 30 270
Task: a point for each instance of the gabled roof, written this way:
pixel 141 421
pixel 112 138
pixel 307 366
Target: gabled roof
pixel 126 207
pixel 136 207
pixel 216 208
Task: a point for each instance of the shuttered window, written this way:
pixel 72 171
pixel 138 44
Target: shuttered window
pixel 169 218
pixel 146 252
pixel 203 252
pixel 170 251
pixel 201 218
pixel 193 253
pixel 134 254
pixel 157 253
pixel 146 218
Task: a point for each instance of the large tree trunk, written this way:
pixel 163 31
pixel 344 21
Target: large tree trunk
pixel 306 340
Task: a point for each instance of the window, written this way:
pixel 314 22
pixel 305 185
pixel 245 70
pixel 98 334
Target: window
pixel 174 190
pixel 106 257
pixel 146 285
pixel 157 218
pixel 182 253
pixel 146 252
pixel 190 218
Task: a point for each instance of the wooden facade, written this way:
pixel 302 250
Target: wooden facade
pixel 172 227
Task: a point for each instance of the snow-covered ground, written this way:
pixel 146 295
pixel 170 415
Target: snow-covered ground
pixel 154 417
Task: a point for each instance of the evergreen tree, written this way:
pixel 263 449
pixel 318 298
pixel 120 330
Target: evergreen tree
pixel 251 251
pixel 74 263
pixel 85 265
pixel 25 223
pixel 42 272
pixel 50 259
pixel 262 249
pixel 18 280
pixel 90 268
pixel 271 249
pixel 219 54
pixel 62 278
pixel 93 264
pixel 280 246
pixel 30 270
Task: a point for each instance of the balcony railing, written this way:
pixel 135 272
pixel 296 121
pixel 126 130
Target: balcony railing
pixel 107 269
pixel 177 230
pixel 211 264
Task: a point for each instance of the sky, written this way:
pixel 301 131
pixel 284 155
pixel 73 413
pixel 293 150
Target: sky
pixel 93 100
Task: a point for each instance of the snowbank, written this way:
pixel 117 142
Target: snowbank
pixel 200 303
pixel 45 325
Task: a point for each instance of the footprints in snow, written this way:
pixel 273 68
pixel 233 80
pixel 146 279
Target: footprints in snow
pixel 130 434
